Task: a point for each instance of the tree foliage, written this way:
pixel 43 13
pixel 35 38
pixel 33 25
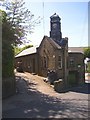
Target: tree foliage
pixel 16 22
pixel 8 32
pixel 18 49
pixel 7 48
pixel 22 20
pixel 87 52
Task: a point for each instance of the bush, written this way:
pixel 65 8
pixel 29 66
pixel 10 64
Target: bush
pixel 87 52
pixel 7 61
pixel 8 78
pixel 88 69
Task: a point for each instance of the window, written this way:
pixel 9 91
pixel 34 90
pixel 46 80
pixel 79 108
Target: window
pixel 72 62
pixel 59 62
pixel 45 62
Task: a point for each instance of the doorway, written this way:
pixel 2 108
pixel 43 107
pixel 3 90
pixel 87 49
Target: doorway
pixel 73 78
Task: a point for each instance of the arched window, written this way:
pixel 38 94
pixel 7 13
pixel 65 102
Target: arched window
pixel 45 62
pixel 59 62
pixel 72 62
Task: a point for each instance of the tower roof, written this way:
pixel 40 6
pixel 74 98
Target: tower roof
pixel 55 16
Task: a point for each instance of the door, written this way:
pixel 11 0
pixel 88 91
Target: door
pixel 73 78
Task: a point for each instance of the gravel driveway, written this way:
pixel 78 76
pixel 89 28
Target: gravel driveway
pixel 37 99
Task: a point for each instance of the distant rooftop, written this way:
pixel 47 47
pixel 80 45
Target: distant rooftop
pixel 76 49
pixel 27 51
pixel 33 50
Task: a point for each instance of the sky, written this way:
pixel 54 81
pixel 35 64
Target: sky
pixel 74 20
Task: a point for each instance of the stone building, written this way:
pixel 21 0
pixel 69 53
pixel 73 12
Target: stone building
pixel 76 67
pixel 52 54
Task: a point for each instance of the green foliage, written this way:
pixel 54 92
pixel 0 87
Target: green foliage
pixel 88 68
pixel 87 52
pixel 2 16
pixel 15 25
pixel 17 50
pixel 7 61
pixel 8 83
pixel 7 49
pixel 22 20
pixel 27 46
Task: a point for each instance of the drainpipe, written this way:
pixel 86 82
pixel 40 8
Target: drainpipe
pixel 63 66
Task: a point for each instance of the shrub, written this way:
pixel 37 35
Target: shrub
pixel 7 61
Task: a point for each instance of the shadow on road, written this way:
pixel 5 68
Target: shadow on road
pixel 81 89
pixel 30 103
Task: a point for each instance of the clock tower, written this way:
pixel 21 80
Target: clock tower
pixel 55 27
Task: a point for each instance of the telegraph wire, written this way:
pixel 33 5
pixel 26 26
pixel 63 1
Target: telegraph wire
pixel 83 30
pixel 43 21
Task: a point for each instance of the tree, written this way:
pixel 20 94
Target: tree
pixel 87 52
pixel 16 23
pixel 8 32
pixel 22 20
pixel 8 79
pixel 7 48
pixel 18 49
pixel 27 46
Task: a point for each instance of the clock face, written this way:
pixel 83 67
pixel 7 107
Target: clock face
pixel 54 25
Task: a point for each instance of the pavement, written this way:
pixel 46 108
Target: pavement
pixel 36 99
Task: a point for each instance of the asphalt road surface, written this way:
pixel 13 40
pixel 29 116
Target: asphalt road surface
pixel 37 99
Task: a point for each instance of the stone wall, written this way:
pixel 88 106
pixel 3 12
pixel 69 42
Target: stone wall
pixel 46 50
pixel 8 87
pixel 29 63
pixel 76 63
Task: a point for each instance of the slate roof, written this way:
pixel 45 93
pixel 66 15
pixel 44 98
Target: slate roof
pixel 27 51
pixel 33 50
pixel 62 42
pixel 53 43
pixel 76 49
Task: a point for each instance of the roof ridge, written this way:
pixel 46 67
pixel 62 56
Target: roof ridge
pixel 27 51
pixel 54 43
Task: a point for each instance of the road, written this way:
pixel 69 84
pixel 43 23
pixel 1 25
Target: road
pixel 37 99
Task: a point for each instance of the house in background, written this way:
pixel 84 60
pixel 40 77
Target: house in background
pixel 52 54
pixel 76 66
pixel 28 57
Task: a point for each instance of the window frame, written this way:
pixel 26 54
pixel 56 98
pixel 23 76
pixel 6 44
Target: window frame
pixel 72 62
pixel 45 62
pixel 59 62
